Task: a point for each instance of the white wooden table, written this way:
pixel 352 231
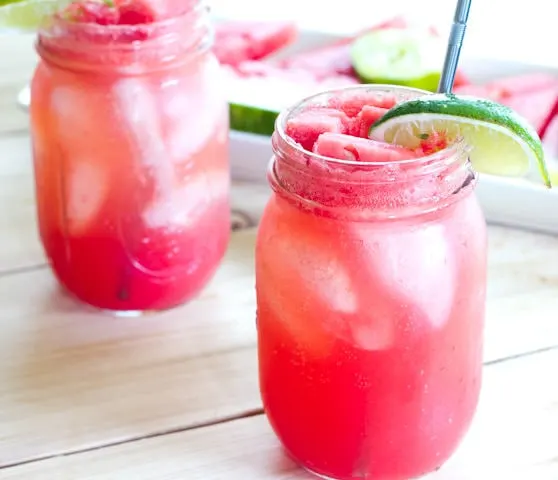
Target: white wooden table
pixel 175 396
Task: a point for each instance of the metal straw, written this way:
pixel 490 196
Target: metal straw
pixel 454 45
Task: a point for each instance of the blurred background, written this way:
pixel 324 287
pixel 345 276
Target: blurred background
pixel 527 31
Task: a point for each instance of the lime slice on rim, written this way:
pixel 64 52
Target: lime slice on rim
pixel 397 56
pixel 27 15
pixel 502 142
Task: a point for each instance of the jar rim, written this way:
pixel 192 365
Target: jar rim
pixel 456 149
pixel 126 49
pixel 56 20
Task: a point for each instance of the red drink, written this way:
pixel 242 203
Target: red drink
pixel 371 282
pixel 130 133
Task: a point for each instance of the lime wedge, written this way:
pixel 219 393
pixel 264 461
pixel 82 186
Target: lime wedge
pixel 28 15
pixel 396 56
pixel 502 142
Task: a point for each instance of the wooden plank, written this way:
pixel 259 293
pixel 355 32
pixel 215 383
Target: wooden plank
pixel 20 244
pixel 71 378
pixel 514 436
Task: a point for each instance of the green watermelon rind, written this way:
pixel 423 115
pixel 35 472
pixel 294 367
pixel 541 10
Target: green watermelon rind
pixel 250 119
pixel 478 109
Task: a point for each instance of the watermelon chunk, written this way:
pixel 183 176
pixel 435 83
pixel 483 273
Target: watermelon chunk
pixel 90 11
pixel 347 147
pixel 238 41
pixel 307 126
pixel 369 114
pixel 259 91
pixel 351 103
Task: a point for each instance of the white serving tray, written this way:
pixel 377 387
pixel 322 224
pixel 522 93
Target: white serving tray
pixel 507 201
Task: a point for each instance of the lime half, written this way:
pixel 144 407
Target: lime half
pixel 502 142
pixel 28 15
pixel 397 56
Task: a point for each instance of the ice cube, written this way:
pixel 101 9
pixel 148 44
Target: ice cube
pixel 194 107
pixel 415 268
pixel 372 330
pixel 86 189
pixel 81 136
pixel 141 119
pixel 182 207
pixel 82 124
pixel 302 279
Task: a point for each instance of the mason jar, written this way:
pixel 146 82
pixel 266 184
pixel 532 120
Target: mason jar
pixel 129 132
pixel 371 281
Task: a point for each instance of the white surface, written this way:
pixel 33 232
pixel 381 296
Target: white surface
pixel 514 202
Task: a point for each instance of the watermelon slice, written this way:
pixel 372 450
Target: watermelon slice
pixel 549 120
pixel 347 147
pixel 525 83
pixel 460 79
pixel 481 91
pixel 259 91
pixel 535 106
pixel 238 41
pixel 334 59
pixel 550 142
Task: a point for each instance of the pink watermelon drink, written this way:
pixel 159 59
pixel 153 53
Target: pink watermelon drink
pixel 371 277
pixel 130 131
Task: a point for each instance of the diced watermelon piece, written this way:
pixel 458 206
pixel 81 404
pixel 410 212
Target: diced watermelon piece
pixel 134 13
pixel 433 143
pixel 369 114
pixel 352 102
pixel 307 126
pixel 534 106
pixel 238 41
pixel 164 9
pixel 347 147
pixel 92 11
pixel 525 83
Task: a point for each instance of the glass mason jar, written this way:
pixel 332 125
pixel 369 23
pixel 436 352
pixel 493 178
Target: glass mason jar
pixel 370 282
pixel 130 144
